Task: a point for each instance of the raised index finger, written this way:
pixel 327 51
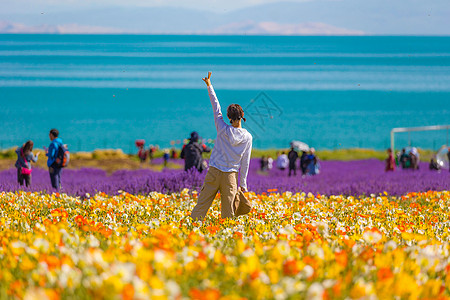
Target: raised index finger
pixel 209 75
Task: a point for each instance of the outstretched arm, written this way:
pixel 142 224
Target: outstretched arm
pixel 218 118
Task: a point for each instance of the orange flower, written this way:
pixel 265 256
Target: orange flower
pixel 384 273
pixel 208 294
pixel 52 261
pixel 56 212
pixel 80 220
pixel 128 292
pixel 290 268
pixel 341 258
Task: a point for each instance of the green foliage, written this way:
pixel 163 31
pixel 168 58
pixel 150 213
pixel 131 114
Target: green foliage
pixel 8 153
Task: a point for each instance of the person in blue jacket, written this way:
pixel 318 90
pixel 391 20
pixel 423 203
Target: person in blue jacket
pixel 52 152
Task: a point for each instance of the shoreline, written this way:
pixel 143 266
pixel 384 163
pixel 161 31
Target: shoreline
pixel 112 160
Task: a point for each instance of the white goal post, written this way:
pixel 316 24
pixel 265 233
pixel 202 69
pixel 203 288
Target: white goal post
pixel 409 129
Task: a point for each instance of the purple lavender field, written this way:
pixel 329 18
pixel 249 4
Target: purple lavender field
pixel 336 178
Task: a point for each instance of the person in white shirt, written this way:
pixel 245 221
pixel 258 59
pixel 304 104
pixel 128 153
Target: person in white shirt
pixel 282 161
pixel 269 163
pixel 231 153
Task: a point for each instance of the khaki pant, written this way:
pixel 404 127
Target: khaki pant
pixel 216 180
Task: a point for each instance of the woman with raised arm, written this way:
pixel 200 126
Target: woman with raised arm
pixel 231 153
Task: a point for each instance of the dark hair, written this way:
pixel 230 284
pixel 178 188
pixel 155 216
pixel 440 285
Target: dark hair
pixel 54 132
pixel 27 147
pixel 194 136
pixel 235 112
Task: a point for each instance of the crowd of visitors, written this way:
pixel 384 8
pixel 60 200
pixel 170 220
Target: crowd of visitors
pixel 308 162
pixel 408 159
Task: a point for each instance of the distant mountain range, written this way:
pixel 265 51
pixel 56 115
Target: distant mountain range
pixel 320 17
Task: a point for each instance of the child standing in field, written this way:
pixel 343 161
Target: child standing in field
pixel 231 152
pixel 23 164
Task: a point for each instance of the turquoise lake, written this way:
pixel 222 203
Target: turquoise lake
pixel 105 91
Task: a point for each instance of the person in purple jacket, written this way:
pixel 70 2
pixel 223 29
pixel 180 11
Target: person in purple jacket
pixel 23 163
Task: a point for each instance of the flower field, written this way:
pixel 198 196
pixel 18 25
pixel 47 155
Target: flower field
pixel 291 246
pixel 356 178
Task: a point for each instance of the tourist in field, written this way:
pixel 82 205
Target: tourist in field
pixel 448 157
pixel 173 153
pixel 52 152
pixel 390 161
pixel 192 153
pixel 282 161
pixel 269 163
pixel 166 157
pixel 23 163
pixel 292 156
pixel 142 153
pixel 414 158
pixel 313 167
pixel 264 163
pixel 404 159
pixel 231 153
pixel 434 166
pixel 304 162
pixel 151 152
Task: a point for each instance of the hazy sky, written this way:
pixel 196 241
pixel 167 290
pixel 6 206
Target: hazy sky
pixel 212 5
pixel 329 17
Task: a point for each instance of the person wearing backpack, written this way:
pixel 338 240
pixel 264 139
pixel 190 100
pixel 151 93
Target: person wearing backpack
pixel 23 164
pixel 192 153
pixel 52 154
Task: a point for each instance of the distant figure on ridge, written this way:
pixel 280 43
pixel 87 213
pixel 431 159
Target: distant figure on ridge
pixel 23 164
pixel 54 162
pixel 390 161
pixel 292 155
pixel 231 153
pixel 192 153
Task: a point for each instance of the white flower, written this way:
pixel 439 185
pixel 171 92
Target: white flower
pixel 390 245
pixel 315 292
pixel 41 244
pixel 372 237
pixel 307 271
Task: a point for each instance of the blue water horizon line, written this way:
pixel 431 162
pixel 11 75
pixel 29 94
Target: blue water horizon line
pixel 364 35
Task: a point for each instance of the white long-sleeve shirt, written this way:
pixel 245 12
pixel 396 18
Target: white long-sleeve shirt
pixel 233 146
